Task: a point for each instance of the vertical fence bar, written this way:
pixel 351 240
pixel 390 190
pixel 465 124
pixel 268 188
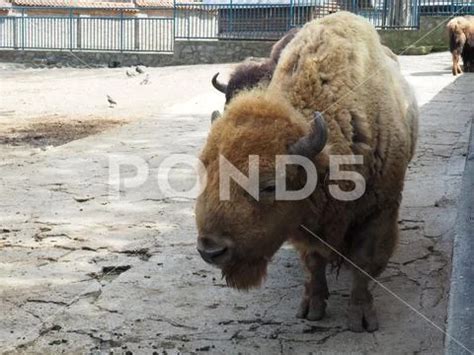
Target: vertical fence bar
pixel 23 29
pixel 79 32
pixel 413 13
pixel 292 14
pixel 121 31
pixel 188 24
pixel 137 33
pixel 174 24
pixel 231 17
pixel 70 19
pixel 384 18
pixel 15 32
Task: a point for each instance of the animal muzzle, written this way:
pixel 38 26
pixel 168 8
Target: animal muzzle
pixel 212 251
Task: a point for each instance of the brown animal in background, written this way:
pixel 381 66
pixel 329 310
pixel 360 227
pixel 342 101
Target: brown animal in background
pixel 321 69
pixel 252 73
pixel 461 43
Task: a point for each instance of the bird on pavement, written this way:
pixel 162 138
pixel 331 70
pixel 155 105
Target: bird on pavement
pixel 145 81
pixel 139 70
pixel 130 74
pixel 111 101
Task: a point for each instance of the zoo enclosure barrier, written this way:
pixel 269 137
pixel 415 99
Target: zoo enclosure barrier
pixel 270 19
pixel 446 7
pixel 76 29
pixel 155 29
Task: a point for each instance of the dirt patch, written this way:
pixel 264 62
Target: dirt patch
pixel 55 132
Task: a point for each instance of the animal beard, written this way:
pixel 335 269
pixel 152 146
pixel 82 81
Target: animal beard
pixel 244 275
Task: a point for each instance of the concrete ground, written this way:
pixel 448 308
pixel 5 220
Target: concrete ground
pixel 81 272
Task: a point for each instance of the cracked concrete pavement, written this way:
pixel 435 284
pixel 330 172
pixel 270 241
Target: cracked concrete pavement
pixel 83 273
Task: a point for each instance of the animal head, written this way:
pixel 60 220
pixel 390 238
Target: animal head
pixel 240 234
pixel 250 74
pixel 245 76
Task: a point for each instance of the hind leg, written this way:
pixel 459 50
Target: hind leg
pixel 313 305
pixel 467 61
pixel 456 65
pixel 373 244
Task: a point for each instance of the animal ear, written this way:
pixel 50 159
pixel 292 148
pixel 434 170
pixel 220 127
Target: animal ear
pixel 313 143
pixel 215 116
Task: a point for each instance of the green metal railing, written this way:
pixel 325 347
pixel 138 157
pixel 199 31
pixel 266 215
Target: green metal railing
pixel 238 19
pixel 72 31
pixel 446 7
pixel 156 29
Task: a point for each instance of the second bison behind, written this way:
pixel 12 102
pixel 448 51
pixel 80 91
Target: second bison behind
pixel 335 65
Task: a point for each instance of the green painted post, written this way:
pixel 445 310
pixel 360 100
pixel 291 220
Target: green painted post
pixel 292 14
pixel 188 24
pixel 23 34
pixel 121 31
pixel 385 8
pixel 231 18
pixel 70 29
pixel 175 12
pixel 79 32
pixel 15 32
pixel 136 22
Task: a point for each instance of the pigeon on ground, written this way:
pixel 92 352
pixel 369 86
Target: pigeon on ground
pixel 145 81
pixel 111 101
pixel 139 70
pixel 130 74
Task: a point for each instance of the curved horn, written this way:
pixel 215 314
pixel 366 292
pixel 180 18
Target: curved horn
pixel 215 115
pixel 219 86
pixel 313 143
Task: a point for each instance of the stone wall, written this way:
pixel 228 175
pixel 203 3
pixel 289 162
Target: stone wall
pixel 185 52
pixel 44 58
pixel 207 52
pixel 432 33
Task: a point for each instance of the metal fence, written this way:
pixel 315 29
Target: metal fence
pixel 446 8
pixel 155 29
pixel 239 19
pixel 73 31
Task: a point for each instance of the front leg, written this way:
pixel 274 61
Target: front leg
pixel 372 245
pixel 313 305
pixel 361 314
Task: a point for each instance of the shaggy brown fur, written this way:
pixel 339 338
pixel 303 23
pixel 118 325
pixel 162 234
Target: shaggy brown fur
pixel 335 65
pixel 252 73
pixel 390 54
pixel 461 43
pixel 279 46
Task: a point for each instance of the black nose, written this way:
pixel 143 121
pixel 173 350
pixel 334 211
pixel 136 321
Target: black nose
pixel 210 255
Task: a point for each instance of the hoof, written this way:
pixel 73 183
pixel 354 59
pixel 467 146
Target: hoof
pixel 312 310
pixel 362 317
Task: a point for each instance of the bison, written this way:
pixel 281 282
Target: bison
pixel 337 66
pixel 461 43
pixel 251 73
